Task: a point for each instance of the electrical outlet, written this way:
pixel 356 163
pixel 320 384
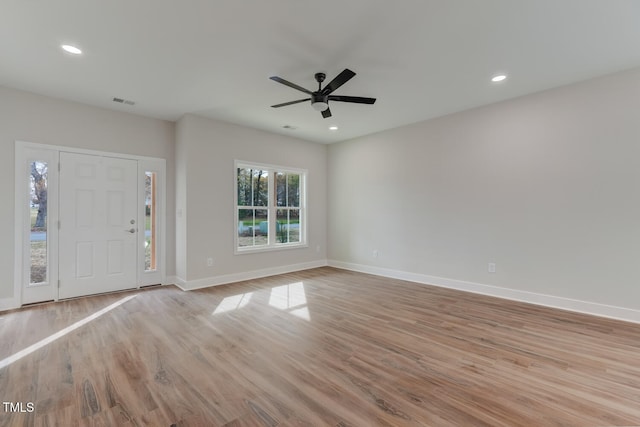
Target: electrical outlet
pixel 492 267
pixel 209 262
pixel 375 253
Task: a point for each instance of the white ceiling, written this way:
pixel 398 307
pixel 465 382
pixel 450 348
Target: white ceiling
pixel 420 58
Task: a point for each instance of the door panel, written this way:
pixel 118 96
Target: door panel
pixel 98 231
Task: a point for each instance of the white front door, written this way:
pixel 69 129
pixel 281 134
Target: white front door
pixel 98 229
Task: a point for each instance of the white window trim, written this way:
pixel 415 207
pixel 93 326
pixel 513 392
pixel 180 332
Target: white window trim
pixel 157 166
pixel 272 245
pixel 23 289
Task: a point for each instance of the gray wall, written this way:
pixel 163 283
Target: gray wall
pixel 205 152
pixel 199 154
pixel 545 186
pixel 38 119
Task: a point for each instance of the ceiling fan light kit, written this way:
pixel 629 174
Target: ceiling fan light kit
pixel 320 98
pixel 319 105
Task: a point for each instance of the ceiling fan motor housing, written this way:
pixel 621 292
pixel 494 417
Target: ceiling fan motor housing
pixel 319 101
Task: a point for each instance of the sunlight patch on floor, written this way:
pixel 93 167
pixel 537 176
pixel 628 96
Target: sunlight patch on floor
pixel 234 302
pixel 51 338
pixel 288 296
pixel 291 298
pixel 302 313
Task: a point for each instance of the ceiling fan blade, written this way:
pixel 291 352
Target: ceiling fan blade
pixel 356 99
pixel 292 85
pixel 284 104
pixel 340 79
pixel 326 113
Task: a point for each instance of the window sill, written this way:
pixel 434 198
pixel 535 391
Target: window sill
pixel 283 247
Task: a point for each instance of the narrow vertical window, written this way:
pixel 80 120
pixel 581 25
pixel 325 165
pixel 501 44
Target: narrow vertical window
pixel 38 225
pixel 288 207
pixel 253 202
pixel 150 228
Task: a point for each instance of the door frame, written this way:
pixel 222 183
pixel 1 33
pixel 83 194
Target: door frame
pixel 26 151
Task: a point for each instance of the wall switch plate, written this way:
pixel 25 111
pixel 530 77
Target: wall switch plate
pixel 375 253
pixel 209 262
pixel 492 267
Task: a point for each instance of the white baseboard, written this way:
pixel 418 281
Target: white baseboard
pixel 171 280
pixel 191 285
pixel 8 304
pixel 586 307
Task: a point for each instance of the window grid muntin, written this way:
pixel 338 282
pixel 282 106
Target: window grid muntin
pixel 272 196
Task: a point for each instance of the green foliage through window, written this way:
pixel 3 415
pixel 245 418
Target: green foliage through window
pixel 269 199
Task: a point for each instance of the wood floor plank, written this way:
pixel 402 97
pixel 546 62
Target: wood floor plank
pixel 322 347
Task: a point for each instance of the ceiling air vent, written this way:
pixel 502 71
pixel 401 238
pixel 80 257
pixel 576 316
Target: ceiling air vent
pixel 123 101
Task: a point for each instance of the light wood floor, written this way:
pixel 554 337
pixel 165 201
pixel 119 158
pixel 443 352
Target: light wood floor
pixel 323 347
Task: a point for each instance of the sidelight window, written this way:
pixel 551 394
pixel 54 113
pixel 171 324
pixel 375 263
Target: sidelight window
pixel 150 223
pixel 38 192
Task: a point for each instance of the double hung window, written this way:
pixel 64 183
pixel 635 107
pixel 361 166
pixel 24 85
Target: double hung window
pixel 270 207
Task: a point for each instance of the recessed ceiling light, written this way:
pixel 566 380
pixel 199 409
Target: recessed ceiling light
pixel 333 127
pixel 498 78
pixel 71 49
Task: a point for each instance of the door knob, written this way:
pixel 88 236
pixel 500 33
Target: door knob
pixel 131 230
